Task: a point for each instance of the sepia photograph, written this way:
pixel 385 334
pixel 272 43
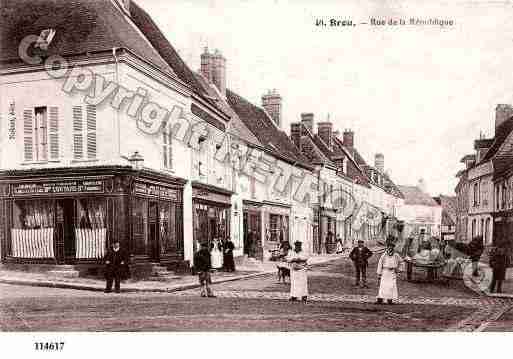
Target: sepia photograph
pixel 255 167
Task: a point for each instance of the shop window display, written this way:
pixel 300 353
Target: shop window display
pixel 90 229
pixel 32 232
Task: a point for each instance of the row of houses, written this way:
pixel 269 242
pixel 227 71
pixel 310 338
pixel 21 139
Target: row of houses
pixel 485 186
pixel 86 156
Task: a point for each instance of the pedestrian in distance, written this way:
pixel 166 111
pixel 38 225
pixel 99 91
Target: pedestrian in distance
pixel 388 267
pixel 340 247
pixel 203 267
pixel 499 264
pixel 228 262
pixel 360 256
pixel 116 267
pixel 298 277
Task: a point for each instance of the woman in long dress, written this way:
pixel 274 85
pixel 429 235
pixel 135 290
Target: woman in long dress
pixel 216 256
pixel 388 266
pixel 298 278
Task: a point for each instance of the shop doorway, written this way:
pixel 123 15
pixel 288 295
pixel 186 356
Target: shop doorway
pixel 66 226
pixel 252 234
pixel 153 233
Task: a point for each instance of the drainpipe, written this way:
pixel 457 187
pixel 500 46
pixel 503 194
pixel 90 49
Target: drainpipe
pixel 118 125
pixel 319 229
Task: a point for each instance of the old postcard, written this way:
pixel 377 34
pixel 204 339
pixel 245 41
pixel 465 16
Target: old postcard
pixel 243 166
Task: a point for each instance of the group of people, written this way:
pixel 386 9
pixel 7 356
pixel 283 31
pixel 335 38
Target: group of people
pixel 219 254
pixel 388 267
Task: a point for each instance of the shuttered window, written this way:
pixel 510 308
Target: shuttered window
pixel 53 133
pixel 91 131
pixel 78 129
pixel 167 151
pixel 40 127
pixel 84 134
pixel 28 134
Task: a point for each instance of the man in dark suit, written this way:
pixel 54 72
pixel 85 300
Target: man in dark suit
pixel 360 256
pixel 116 267
pixel 203 266
pixel 499 264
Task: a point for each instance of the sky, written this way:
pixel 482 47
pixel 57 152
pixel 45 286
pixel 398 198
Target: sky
pixel 418 94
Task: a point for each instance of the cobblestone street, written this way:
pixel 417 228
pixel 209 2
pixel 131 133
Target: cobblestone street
pixel 258 304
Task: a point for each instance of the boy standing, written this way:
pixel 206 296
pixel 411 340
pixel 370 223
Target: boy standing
pixel 203 266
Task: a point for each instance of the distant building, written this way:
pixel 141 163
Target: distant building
pixel 449 214
pixel 420 212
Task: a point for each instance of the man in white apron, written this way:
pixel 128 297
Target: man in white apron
pixel 388 266
pixel 298 277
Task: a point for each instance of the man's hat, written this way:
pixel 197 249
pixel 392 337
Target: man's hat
pixel 298 243
pixel 360 241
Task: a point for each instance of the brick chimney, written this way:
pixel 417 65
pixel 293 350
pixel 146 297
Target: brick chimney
pixel 348 138
pixel 219 72
pixel 307 119
pixel 295 134
pixel 379 162
pixel 272 102
pixel 207 65
pixel 502 113
pixel 325 132
pixel 213 68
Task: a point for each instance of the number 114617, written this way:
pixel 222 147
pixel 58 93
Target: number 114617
pixel 49 346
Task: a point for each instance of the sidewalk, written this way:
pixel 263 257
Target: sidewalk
pixel 177 283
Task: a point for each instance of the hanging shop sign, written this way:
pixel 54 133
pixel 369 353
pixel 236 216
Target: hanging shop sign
pixel 60 187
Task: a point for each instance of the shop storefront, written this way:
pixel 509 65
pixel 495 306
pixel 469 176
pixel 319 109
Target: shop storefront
pixel 252 227
pixel 70 216
pixel 276 227
pixel 211 214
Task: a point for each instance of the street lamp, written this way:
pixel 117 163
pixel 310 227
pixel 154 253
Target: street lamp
pixel 136 160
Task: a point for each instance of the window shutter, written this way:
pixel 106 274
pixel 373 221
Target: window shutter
pixel 78 136
pixel 53 131
pixel 43 126
pixel 28 139
pixel 91 131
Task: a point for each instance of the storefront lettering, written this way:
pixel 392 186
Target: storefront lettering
pixel 93 186
pixel 12 121
pixel 156 191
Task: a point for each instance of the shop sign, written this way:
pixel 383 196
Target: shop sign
pixel 11 130
pixel 156 191
pixel 210 196
pixel 76 186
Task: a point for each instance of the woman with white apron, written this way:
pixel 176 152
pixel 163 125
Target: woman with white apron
pixel 388 266
pixel 216 255
pixel 298 278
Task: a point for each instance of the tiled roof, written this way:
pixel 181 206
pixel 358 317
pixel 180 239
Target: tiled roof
pixel 91 26
pixel 148 27
pixel 414 196
pixel 503 164
pixel 263 128
pixel 81 27
pixel 449 208
pixel 237 127
pixel 501 134
pixel 446 219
